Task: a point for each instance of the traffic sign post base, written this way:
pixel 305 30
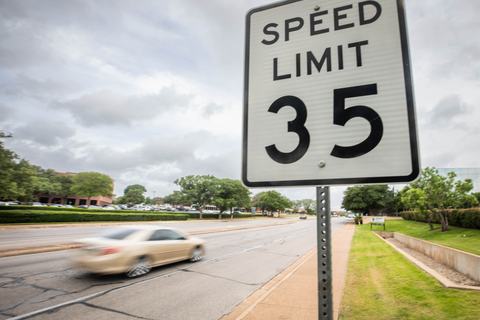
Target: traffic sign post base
pixel 324 254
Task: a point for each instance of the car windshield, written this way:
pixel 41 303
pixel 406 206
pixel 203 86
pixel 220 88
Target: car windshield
pixel 118 234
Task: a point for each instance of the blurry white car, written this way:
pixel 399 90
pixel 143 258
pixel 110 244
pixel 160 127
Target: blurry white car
pixel 134 250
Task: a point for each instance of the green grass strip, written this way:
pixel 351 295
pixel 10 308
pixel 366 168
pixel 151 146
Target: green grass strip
pixel 459 238
pixel 382 284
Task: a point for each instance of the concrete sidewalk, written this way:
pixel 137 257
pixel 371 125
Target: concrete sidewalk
pixel 293 294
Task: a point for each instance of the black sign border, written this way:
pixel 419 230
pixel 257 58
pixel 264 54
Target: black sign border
pixel 415 174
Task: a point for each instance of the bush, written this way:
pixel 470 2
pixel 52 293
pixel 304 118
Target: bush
pixel 465 218
pixel 358 219
pixel 215 215
pixel 40 216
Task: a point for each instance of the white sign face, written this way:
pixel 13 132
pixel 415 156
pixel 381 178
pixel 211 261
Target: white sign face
pixel 378 220
pixel 328 97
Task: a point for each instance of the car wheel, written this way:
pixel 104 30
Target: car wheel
pixel 197 254
pixel 139 267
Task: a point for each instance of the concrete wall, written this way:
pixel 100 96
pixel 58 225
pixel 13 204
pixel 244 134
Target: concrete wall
pixel 464 262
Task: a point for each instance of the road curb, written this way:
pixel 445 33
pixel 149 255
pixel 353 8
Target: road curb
pixel 302 271
pixel 244 308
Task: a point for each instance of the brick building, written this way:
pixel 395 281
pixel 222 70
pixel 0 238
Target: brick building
pixel 73 199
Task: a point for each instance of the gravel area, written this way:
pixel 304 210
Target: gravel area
pixel 445 271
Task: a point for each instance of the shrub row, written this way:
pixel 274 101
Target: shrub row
pixel 215 215
pixel 35 216
pixel 465 218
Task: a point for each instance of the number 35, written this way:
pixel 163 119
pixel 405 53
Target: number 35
pixel 340 117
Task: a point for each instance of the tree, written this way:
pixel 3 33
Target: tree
pixel 198 190
pixel 367 199
pixel 8 165
pixel 437 193
pixel 134 196
pixel 414 198
pixel 271 201
pixel 131 198
pixel 309 205
pixel 134 187
pixel 231 194
pixel 92 184
pixel 27 181
pixel 62 184
pixel 296 205
pixel 477 195
pixel 174 198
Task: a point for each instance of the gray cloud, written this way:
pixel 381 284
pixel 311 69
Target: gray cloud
pixel 447 109
pixel 47 133
pixel 106 108
pixel 6 112
pixel 158 160
pixel 211 109
pixel 25 86
pixel 441 159
pixel 443 39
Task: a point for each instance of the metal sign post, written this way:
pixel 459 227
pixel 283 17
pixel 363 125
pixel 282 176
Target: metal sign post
pixel 324 254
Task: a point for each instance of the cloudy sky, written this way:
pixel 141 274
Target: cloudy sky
pixel 151 91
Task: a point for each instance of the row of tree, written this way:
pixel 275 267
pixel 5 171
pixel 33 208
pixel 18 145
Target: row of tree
pixel 21 181
pixel 225 194
pixel 432 194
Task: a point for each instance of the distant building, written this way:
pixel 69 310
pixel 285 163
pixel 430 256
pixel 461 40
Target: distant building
pixel 464 173
pixel 73 199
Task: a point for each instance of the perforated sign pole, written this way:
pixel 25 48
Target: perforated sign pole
pixel 324 254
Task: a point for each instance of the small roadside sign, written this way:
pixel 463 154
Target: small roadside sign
pixel 377 222
pixel 328 95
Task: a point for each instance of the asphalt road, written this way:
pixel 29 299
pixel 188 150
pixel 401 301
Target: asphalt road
pixel 19 238
pixel 237 264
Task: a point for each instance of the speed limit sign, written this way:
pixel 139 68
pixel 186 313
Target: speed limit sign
pixel 328 95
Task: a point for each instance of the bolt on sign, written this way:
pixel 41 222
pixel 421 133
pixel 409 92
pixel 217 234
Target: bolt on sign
pixel 328 95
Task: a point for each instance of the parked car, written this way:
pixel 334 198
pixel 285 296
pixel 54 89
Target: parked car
pixel 134 250
pixel 237 212
pixel 37 204
pixel 303 216
pixel 108 208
